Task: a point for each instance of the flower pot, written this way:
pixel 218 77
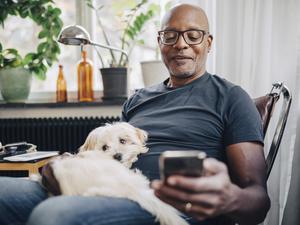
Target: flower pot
pixel 15 84
pixel 114 83
pixel 154 72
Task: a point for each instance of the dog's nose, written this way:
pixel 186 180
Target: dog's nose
pixel 118 156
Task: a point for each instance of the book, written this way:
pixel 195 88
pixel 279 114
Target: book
pixel 31 156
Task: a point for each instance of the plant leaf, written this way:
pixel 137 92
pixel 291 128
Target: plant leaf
pixel 43 34
pixel 28 58
pixel 42 47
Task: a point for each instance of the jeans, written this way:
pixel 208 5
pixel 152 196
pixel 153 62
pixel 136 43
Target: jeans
pixel 25 202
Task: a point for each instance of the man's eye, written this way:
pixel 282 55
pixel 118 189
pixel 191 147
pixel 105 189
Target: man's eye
pixel 104 147
pixel 169 35
pixel 122 141
pixel 194 35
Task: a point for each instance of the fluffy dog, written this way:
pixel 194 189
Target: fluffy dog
pixel 101 168
pixel 121 141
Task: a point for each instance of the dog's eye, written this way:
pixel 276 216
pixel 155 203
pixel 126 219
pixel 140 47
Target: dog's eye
pixel 122 141
pixel 104 147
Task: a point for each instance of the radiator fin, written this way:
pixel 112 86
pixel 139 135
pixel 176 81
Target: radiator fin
pixel 51 134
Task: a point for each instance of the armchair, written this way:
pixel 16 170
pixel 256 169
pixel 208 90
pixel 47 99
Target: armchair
pixel 265 106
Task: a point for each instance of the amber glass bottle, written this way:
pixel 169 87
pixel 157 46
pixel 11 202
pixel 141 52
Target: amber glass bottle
pixel 61 86
pixel 85 79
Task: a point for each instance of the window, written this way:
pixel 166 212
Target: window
pixel 22 34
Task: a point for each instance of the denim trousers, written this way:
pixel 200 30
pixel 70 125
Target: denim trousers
pixel 24 201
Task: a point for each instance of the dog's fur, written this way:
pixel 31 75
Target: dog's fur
pixel 95 171
pixel 120 140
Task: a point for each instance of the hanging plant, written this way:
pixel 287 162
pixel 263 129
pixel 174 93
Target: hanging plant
pixel 44 14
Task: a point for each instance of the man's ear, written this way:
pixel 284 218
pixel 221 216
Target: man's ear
pixel 209 41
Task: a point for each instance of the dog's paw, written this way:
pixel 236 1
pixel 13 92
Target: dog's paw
pixel 36 177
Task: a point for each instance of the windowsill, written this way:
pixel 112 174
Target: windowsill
pixel 69 104
pixel 48 100
pixel 41 105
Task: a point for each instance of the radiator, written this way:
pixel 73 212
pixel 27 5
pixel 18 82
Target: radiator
pixel 51 134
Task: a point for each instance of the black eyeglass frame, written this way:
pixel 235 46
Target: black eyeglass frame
pixel 182 34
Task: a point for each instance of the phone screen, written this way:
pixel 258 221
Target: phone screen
pixel 186 163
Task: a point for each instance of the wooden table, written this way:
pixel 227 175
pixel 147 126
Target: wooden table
pixel 29 167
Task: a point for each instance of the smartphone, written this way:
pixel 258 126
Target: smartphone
pixel 186 163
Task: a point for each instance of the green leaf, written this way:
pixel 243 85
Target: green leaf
pixel 129 33
pixel 56 11
pixel 49 62
pixel 24 13
pixel 28 58
pixel 42 47
pixel 43 34
pixel 10 51
pixel 56 49
pixel 138 23
pixel 44 14
pixel 17 62
pixel 41 74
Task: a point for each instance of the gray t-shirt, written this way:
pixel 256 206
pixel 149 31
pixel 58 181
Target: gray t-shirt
pixel 207 114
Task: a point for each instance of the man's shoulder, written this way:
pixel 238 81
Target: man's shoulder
pixel 225 88
pixel 221 82
pixel 148 91
pixel 142 94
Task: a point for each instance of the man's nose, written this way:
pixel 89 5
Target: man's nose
pixel 118 156
pixel 180 44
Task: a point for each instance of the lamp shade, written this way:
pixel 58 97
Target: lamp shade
pixel 77 35
pixel 74 35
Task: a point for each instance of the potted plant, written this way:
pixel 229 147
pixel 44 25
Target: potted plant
pixel 114 76
pixel 16 71
pixel 154 71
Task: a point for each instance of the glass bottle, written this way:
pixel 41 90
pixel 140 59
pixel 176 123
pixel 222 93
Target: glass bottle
pixel 85 79
pixel 61 86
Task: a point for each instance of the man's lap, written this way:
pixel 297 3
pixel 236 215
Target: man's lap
pixel 89 210
pixel 21 198
pixel 18 197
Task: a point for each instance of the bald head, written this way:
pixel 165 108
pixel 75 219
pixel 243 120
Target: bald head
pixel 184 42
pixel 186 12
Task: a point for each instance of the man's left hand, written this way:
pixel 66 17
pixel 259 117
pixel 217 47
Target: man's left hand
pixel 200 197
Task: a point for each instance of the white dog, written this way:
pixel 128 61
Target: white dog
pixel 120 140
pixel 106 172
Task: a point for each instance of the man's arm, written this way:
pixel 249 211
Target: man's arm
pixel 243 197
pixel 247 168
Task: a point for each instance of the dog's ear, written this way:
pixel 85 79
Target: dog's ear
pixel 142 135
pixel 84 147
pixel 90 142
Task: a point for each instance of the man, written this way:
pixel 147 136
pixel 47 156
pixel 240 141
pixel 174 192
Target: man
pixel 195 110
pixel 192 110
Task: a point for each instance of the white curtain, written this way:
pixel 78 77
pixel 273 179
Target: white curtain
pixel 255 44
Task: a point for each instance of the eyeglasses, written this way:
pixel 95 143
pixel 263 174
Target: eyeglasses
pixel 191 37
